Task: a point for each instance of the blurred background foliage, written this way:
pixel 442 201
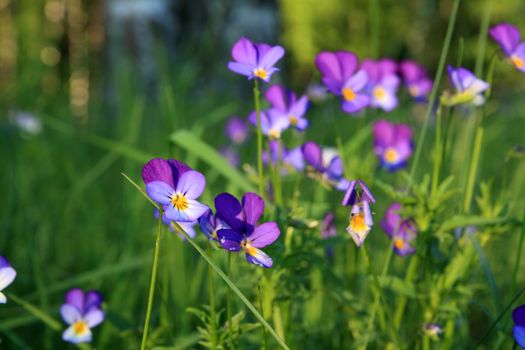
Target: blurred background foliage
pixel 111 80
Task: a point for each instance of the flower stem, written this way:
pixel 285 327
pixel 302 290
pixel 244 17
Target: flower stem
pixel 154 269
pixel 265 335
pixel 473 169
pixel 435 88
pixel 236 290
pixel 213 325
pixel 229 305
pixel 400 310
pixel 257 102
pixel 438 150
pixel 518 259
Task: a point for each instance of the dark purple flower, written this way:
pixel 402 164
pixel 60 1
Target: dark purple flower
pixel 237 130
pixel 468 88
pixel 382 83
pixel 508 38
pixel 402 231
pixel 416 80
pixel 210 224
pixel 175 186
pixel 392 143
pixel 255 60
pixel 245 233
pixel 7 276
pixel 342 78
pixel 327 163
pixel 273 122
pixel 360 221
pixel 327 226
pixel 286 102
pixel 81 312
pixel 231 155
pixel 518 315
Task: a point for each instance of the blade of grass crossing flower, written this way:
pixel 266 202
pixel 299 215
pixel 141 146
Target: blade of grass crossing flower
pixel 236 290
pixel 435 88
pixel 208 154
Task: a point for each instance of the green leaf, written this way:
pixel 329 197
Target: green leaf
pixel 208 154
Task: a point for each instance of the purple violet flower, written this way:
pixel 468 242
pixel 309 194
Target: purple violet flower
pixel 236 130
pixel 210 224
pixel 432 330
pixel 327 163
pixel 286 102
pixel 360 221
pixel 342 78
pixel 468 88
pixel 255 60
pixel 328 226
pixel 508 38
pixel 245 233
pixel 273 122
pixel 416 79
pixel 392 144
pixel 231 155
pixel 518 315
pixel 175 186
pixel 402 231
pixel 177 226
pixel 382 83
pixel 81 312
pixel 291 159
pixel 7 276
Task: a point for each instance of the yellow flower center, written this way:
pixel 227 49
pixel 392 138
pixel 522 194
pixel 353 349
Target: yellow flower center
pixel 293 120
pixel 357 223
pixel 379 93
pixel 80 327
pixel 349 94
pixel 260 73
pixel 413 90
pixel 399 243
pixel 517 61
pixel 274 134
pixel 248 247
pixel 179 201
pixel 390 155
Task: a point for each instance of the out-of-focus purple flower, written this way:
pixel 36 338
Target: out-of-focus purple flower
pixel 210 224
pixel 382 83
pixel 468 88
pixel 402 231
pixel 175 186
pixel 286 102
pixel 327 163
pixel 294 159
pixel 273 123
pixel 360 222
pixel 316 92
pixel 432 330
pixel 518 315
pixel 341 76
pixel 508 38
pixel 328 226
pixel 416 79
pixel 29 124
pixel 291 159
pixel 81 312
pixel 7 276
pixel 392 144
pixel 255 60
pixel 245 233
pixel 237 130
pixel 231 155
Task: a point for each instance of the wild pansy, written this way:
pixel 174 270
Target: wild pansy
pixel 236 130
pixel 340 74
pixel 7 276
pixel 518 315
pixel 255 60
pixel 327 163
pixel 210 224
pixel 177 226
pixel 360 221
pixel 81 312
pixel 415 79
pixel 175 186
pixel 402 231
pixel 286 102
pixel 468 88
pixel 291 159
pixel 245 233
pixel 273 122
pixel 508 38
pixel 382 83
pixel 432 330
pixel 392 144
pixel 328 226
